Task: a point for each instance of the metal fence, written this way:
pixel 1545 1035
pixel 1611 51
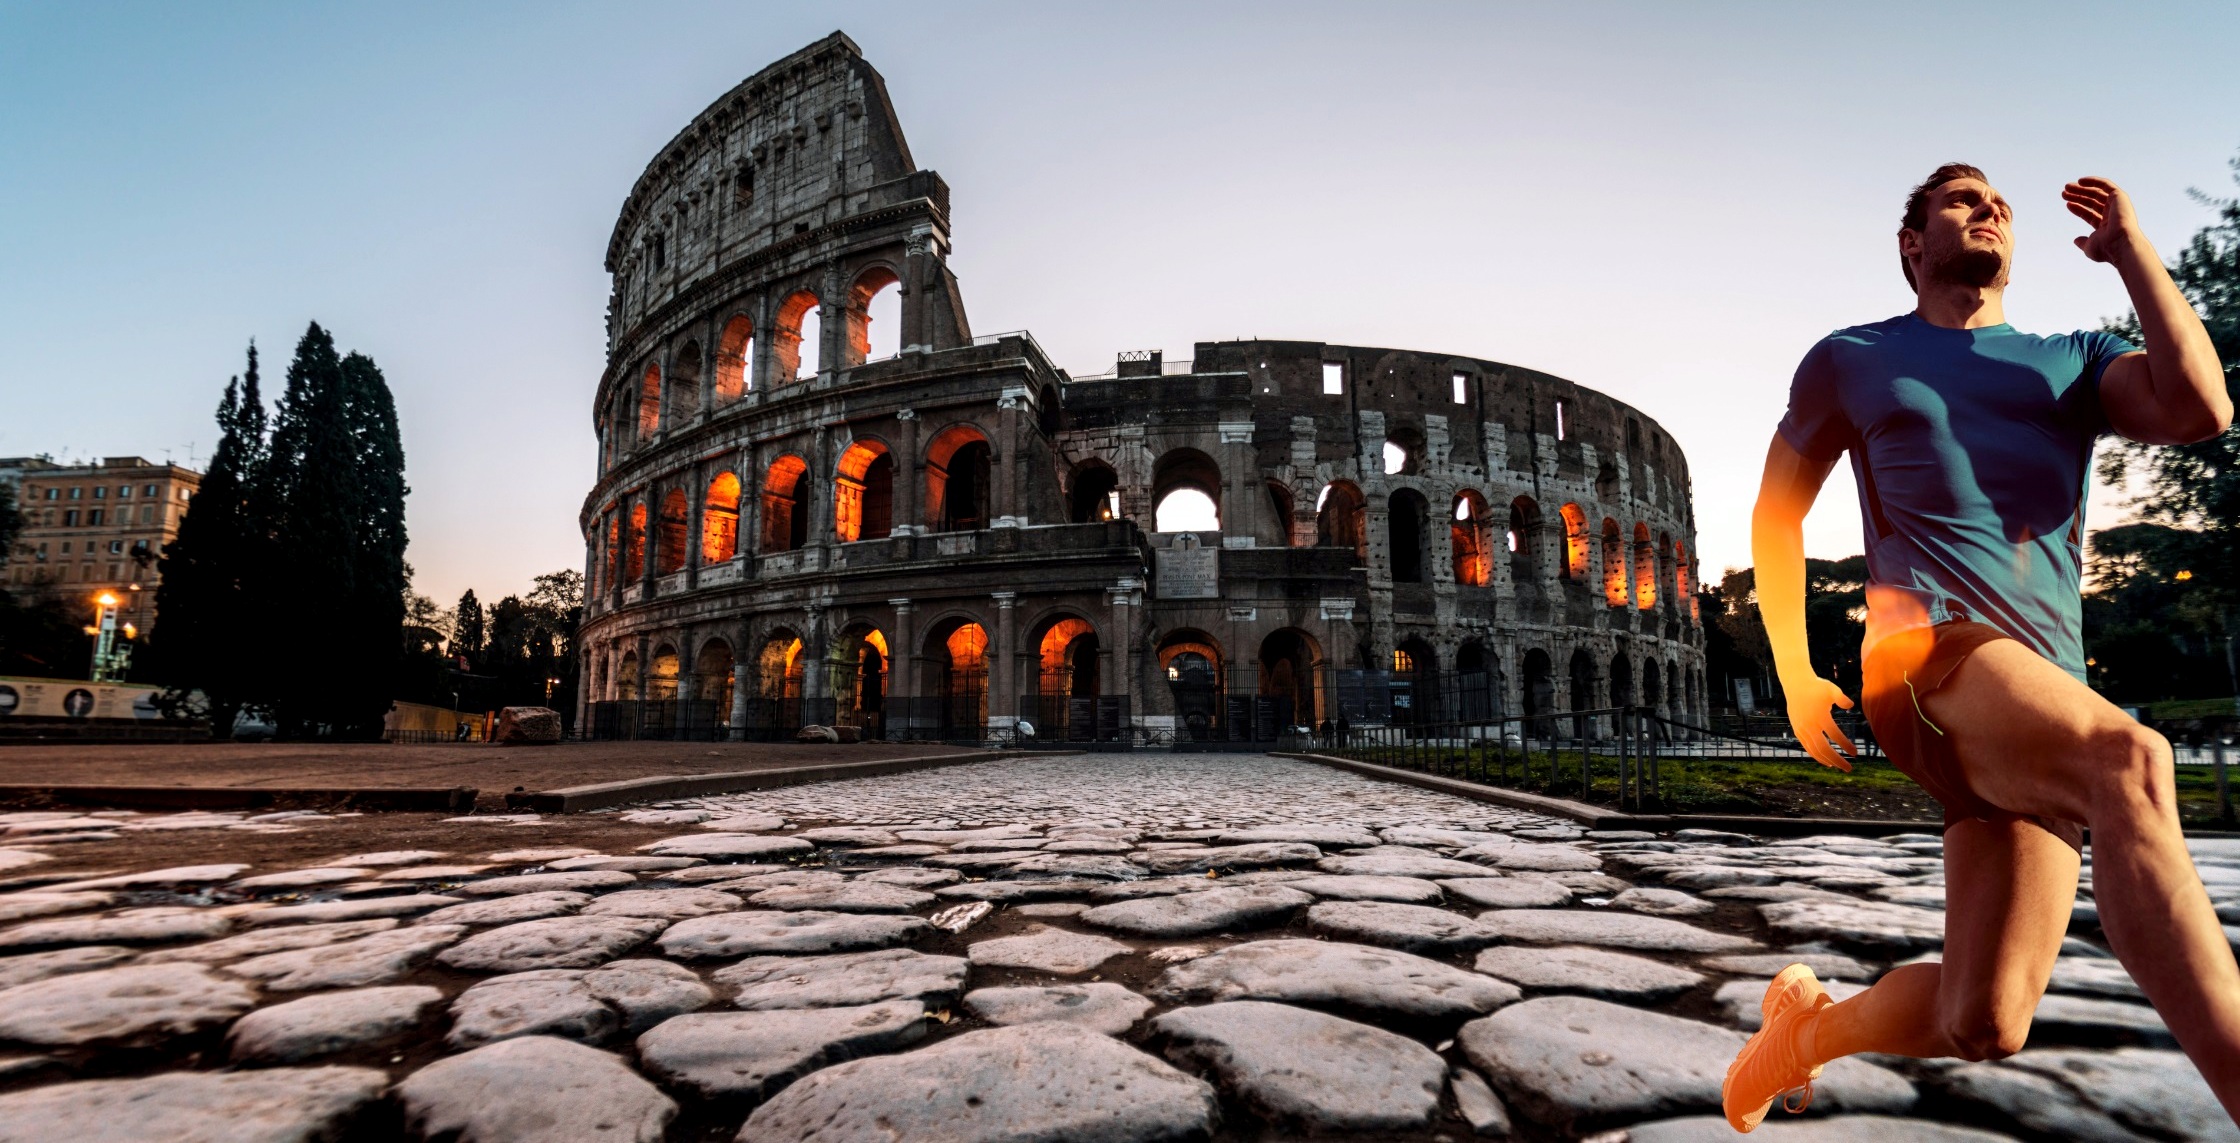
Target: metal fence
pixel 1100 721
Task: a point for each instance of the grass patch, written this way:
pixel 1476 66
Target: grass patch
pixel 2193 708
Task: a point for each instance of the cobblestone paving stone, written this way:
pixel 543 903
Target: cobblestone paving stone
pixel 1147 947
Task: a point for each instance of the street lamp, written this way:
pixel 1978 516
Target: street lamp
pixel 109 657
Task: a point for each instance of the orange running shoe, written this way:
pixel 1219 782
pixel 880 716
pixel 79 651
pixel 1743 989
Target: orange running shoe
pixel 1770 1067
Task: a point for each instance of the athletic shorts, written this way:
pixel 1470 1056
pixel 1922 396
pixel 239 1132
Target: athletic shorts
pixel 1902 671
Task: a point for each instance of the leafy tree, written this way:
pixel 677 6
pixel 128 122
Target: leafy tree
pixel 2153 625
pixel 11 522
pixel 205 638
pixel 469 635
pixel 1835 621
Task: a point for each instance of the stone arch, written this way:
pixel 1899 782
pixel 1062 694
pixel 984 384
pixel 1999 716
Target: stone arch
pixel 1192 664
pixel 1621 680
pixel 1093 493
pixel 1644 569
pixel 614 552
pixel 859 663
pixel 1341 517
pixel 1408 542
pixel 1066 648
pixel 1613 564
pixel 1539 685
pixel 683 384
pixel 959 485
pixel 876 286
pixel 777 676
pixel 634 552
pixel 785 505
pixel 863 492
pixel 661 674
pixel 735 360
pixel 956 650
pixel 1403 450
pixel 626 680
pixel 712 671
pixel 1180 471
pixel 1049 411
pixel 1582 678
pixel 1664 562
pixel 1652 686
pixel 669 549
pixel 719 519
pixel 1683 577
pixel 1578 546
pixel 649 402
pixel 1477 683
pixel 1415 681
pixel 1290 669
pixel 799 320
pixel 1473 564
pixel 1282 509
pixel 1523 541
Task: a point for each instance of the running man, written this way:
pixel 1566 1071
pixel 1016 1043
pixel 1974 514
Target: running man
pixel 1971 443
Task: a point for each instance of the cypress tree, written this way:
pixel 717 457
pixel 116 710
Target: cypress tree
pixel 202 640
pixel 378 491
pixel 467 644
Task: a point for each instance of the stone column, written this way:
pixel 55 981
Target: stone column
pixel 1003 704
pixel 902 665
pixel 695 504
pixel 750 506
pixel 816 678
pixel 1127 673
pixel 1243 492
pixel 1005 510
pixel 743 661
pixel 909 481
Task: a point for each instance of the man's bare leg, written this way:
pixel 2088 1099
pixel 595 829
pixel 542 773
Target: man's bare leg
pixel 2032 740
pixel 2008 889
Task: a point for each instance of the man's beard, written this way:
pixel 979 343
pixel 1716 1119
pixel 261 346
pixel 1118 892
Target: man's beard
pixel 1957 265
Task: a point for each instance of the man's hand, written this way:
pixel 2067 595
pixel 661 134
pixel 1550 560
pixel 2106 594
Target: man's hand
pixel 2104 207
pixel 1815 728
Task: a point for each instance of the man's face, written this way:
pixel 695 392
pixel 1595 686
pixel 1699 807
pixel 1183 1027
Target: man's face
pixel 1967 238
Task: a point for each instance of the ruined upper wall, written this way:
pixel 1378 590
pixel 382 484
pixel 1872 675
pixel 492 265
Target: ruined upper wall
pixel 800 145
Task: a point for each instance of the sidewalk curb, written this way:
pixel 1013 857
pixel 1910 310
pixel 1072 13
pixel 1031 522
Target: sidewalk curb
pixel 452 799
pixel 1593 817
pixel 664 787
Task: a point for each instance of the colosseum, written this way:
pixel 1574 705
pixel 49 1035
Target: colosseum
pixel 823 500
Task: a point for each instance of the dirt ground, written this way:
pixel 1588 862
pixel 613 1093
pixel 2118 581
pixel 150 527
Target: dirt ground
pixel 493 770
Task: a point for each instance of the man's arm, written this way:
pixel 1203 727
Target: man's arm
pixel 1791 483
pixel 2174 393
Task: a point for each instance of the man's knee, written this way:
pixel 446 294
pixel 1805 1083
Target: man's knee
pixel 2133 766
pixel 1988 1032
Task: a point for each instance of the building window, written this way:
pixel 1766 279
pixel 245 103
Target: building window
pixel 94 515
pixel 77 494
pixel 1560 428
pixel 116 547
pixel 124 492
pixel 52 492
pixel 147 513
pixel 1333 378
pixel 100 492
pixel 148 491
pixel 1403 663
pixel 1461 388
pixel 70 516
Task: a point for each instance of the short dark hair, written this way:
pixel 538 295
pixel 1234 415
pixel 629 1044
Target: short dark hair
pixel 1917 204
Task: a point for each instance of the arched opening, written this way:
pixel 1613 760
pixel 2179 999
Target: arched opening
pixel 1404 520
pixel 1281 507
pixel 1524 532
pixel 1415 682
pixel 785 509
pixel 1403 450
pixel 735 360
pixel 649 402
pixel 794 340
pixel 874 316
pixel 958 467
pixel 1683 581
pixel 778 682
pixel 1396 458
pixel 859 679
pixel 1095 495
pixel 1050 411
pixel 1613 564
pixel 1539 689
pixel 1582 681
pixel 1652 687
pixel 1191 661
pixel 1067 657
pixel 863 493
pixel 1644 568
pixel 958 652
pixel 1186 492
pixel 634 555
pixel 1287 674
pixel 626 678
pixel 1473 564
pixel 684 384
pixel 719 520
pixel 669 546
pixel 712 677
pixel 661 680
pixel 1477 685
pixel 1664 561
pixel 614 552
pixel 1339 515
pixel 1621 679
pixel 1578 547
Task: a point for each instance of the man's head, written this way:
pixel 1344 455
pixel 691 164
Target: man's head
pixel 1957 230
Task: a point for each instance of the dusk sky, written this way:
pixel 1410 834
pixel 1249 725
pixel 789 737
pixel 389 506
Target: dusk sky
pixel 1668 203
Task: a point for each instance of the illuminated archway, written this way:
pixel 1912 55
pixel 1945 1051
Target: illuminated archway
pixel 958 652
pixel 669 545
pixel 735 360
pixel 649 402
pixel 1186 492
pixel 1067 654
pixel 859 677
pixel 1613 564
pixel 626 677
pixel 874 317
pixel 1523 542
pixel 778 668
pixel 1095 493
pixel 719 520
pixel 634 554
pixel 958 468
pixel 1473 564
pixel 785 515
pixel 1339 513
pixel 661 680
pixel 712 677
pixel 1578 547
pixel 1644 568
pixel 1192 663
pixel 863 493
pixel 794 341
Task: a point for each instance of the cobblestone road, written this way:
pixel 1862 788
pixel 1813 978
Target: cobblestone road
pixel 1115 948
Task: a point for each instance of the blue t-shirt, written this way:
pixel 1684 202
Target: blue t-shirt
pixel 1972 449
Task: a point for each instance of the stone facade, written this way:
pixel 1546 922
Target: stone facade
pixel 879 541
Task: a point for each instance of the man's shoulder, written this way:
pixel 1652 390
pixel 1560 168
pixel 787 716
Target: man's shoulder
pixel 1867 335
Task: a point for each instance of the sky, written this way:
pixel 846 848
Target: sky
pixel 1667 203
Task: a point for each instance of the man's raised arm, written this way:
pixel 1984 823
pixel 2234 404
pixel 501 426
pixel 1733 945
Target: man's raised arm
pixel 1786 493
pixel 2174 393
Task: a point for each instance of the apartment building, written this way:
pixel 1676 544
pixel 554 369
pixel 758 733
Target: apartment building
pixel 95 527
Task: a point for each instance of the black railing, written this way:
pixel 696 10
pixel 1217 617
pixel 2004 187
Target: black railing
pixel 1058 720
